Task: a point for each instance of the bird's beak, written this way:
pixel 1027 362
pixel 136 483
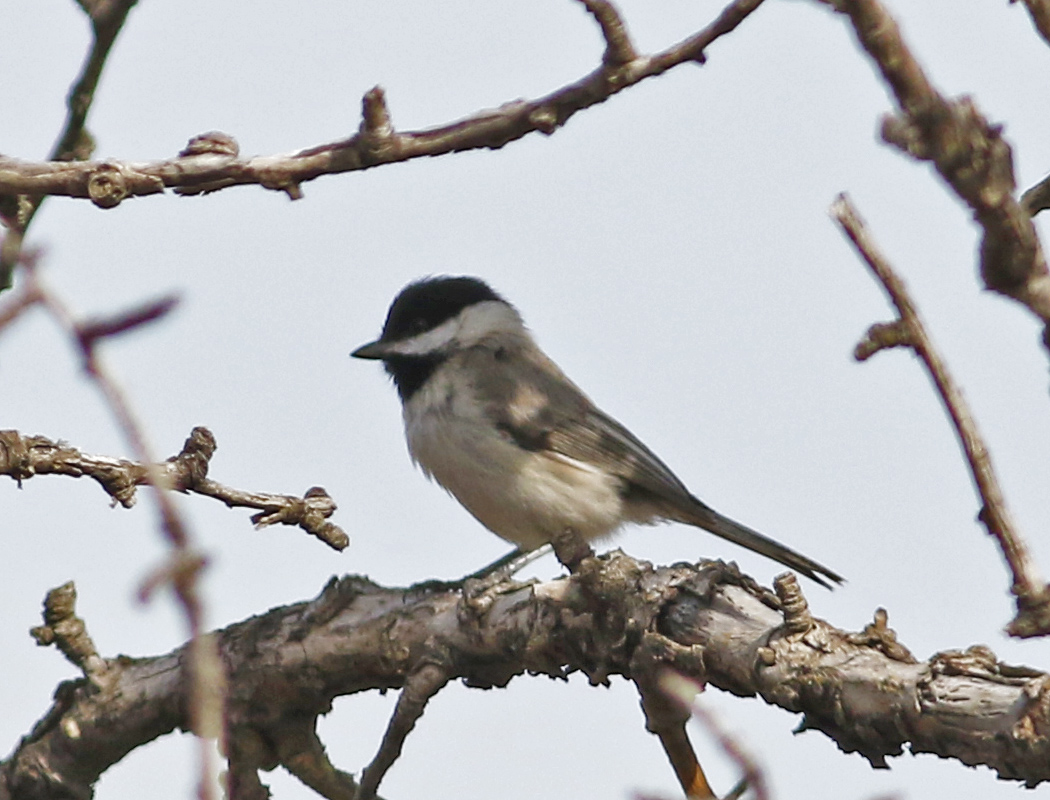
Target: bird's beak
pixel 373 350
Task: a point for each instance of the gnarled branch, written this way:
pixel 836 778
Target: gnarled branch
pixel 616 616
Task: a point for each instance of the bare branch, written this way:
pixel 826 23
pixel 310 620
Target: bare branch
pixel 90 331
pixel 968 152
pixel 300 751
pixel 1033 596
pixel 686 693
pixel 74 142
pixel 706 622
pixel 667 718
pixel 618 47
pixel 22 457
pixel 422 684
pixel 212 163
pixel 13 307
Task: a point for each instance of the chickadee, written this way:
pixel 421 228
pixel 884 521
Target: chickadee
pixel 499 426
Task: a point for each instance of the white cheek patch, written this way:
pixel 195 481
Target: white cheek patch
pixel 483 319
pixel 467 328
pixel 429 341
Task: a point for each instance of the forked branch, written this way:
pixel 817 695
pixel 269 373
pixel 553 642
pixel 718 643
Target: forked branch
pixel 969 153
pixel 1031 593
pixel 212 162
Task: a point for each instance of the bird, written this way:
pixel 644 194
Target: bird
pixel 497 424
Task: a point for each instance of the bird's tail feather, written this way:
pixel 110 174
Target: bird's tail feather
pixel 707 518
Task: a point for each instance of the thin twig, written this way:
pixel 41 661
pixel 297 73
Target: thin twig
pixel 212 162
pixel 74 143
pixel 1033 597
pixel 22 457
pixel 685 691
pixel 618 47
pixel 1040 13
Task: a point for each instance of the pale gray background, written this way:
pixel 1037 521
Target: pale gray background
pixel 672 251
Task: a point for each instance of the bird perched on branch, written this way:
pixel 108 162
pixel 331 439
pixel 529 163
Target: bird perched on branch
pixel 496 423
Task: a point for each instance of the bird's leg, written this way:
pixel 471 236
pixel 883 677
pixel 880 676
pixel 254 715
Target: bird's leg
pixel 500 569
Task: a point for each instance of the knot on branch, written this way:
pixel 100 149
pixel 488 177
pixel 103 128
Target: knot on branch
pixel 882 336
pixel 211 143
pixel 311 513
pixel 545 119
pixel 63 628
pixel 337 595
pixel 1033 613
pixel 14 457
pixel 968 151
pixel 190 467
pixel 1009 251
pixel 900 131
pixel 107 185
pixel 376 142
pixel 376 123
pixel 882 637
pixel 797 618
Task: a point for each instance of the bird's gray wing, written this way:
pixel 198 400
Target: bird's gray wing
pixel 531 401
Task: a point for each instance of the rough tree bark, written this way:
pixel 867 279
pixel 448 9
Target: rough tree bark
pixel 615 616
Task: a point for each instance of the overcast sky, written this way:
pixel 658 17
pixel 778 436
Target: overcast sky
pixel 671 250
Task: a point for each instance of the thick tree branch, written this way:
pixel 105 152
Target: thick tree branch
pixel 211 161
pixel 968 152
pixel 706 622
pixel 1032 594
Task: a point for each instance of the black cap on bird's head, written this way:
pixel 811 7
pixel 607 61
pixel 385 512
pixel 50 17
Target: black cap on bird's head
pixel 425 304
pixel 421 307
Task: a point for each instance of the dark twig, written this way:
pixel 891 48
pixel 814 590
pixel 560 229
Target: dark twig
pixel 74 142
pixel 668 722
pixel 212 162
pixel 1033 596
pixel 685 691
pixel 13 307
pixel 968 152
pixel 1040 13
